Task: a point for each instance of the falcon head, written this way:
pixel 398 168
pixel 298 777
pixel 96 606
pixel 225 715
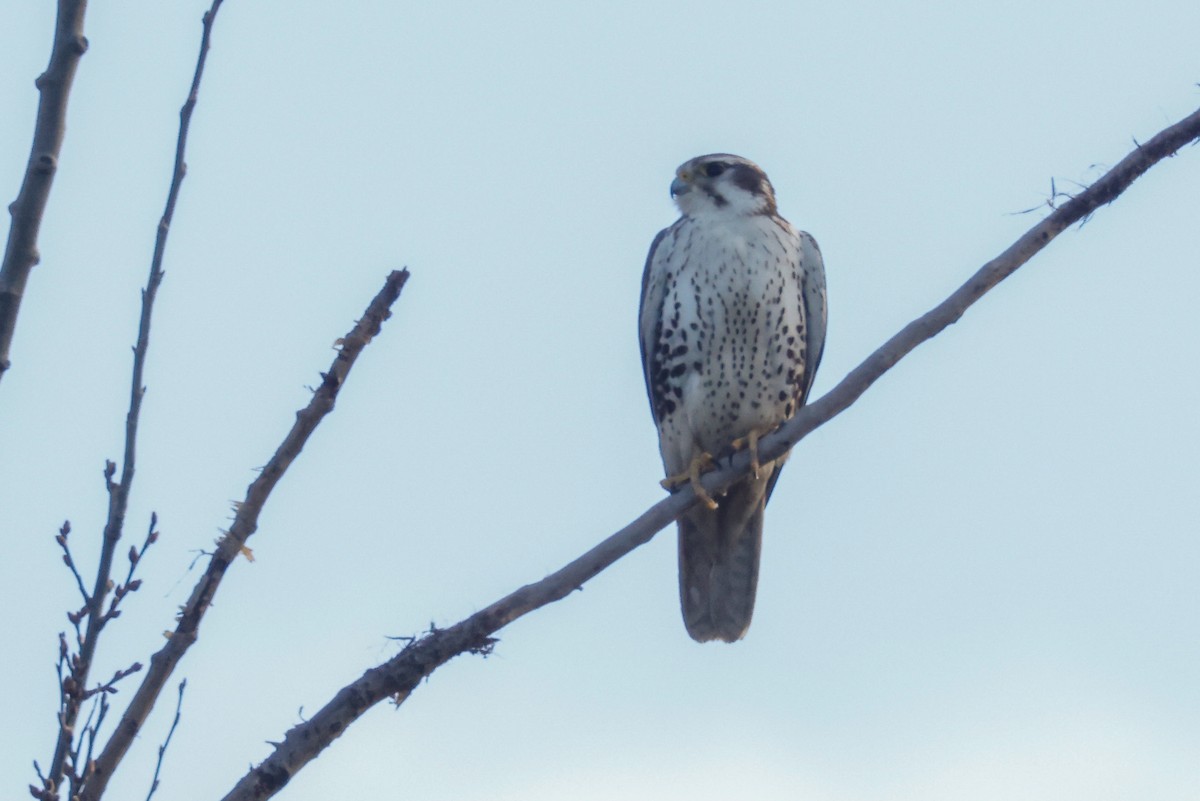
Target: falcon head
pixel 720 183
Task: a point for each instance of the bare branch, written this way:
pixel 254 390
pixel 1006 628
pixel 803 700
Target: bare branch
pixel 69 561
pixel 1080 207
pixel 162 749
pixel 130 584
pixel 118 491
pixel 399 676
pixel 233 543
pixel 110 687
pixel 91 731
pixel 21 253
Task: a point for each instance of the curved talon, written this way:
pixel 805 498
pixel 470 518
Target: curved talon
pixel 699 464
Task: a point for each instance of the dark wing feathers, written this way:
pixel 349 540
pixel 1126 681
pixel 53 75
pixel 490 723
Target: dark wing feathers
pixel 650 323
pixel 812 298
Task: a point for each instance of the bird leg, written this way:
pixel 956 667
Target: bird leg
pixel 700 463
pixel 750 442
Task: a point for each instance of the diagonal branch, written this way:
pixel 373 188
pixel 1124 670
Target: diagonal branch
pixel 21 253
pixel 1104 191
pixel 399 676
pixel 245 522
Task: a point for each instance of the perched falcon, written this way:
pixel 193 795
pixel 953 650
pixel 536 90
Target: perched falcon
pixel 732 326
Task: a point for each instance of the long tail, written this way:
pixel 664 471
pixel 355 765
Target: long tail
pixel 718 560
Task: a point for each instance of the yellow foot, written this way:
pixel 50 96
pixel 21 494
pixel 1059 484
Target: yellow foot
pixel 700 463
pixel 750 442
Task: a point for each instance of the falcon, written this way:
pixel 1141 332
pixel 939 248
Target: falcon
pixel 732 327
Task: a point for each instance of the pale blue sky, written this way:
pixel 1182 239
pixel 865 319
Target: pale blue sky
pixel 979 583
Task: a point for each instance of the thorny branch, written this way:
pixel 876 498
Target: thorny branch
pixel 54 85
pixel 399 676
pixel 233 543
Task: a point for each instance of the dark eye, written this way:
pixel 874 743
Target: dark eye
pixel 714 169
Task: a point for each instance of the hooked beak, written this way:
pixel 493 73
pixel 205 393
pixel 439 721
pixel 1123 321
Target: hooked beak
pixel 680 187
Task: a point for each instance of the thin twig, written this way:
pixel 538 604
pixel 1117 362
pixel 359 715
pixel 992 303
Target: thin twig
pixel 136 554
pixel 54 85
pixel 162 749
pixel 110 687
pixel 399 676
pixel 130 584
pixel 92 731
pixel 118 491
pixel 69 561
pixel 233 543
